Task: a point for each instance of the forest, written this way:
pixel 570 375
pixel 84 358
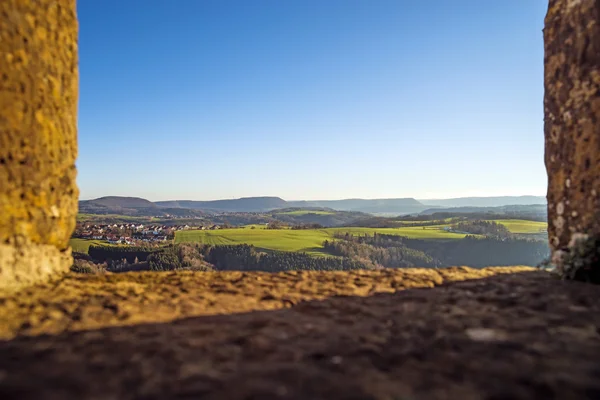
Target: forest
pixel 199 257
pixel 487 228
pixel 392 251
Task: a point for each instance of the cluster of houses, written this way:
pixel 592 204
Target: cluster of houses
pixel 127 233
pixel 131 233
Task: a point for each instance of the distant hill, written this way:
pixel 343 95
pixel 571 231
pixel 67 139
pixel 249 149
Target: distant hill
pixel 372 206
pixel 536 212
pixel 131 206
pixel 316 215
pixel 485 201
pixel 245 204
pixel 381 207
pixel 262 204
pixel 117 201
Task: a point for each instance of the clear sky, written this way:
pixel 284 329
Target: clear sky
pixel 310 99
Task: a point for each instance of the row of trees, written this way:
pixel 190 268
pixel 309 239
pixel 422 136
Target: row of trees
pixel 307 226
pixel 130 253
pixel 283 225
pixel 487 228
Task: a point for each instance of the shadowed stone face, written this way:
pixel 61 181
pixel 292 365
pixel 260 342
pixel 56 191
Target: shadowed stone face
pixel 572 121
pixel 38 138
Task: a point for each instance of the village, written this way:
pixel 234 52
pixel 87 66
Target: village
pixel 132 233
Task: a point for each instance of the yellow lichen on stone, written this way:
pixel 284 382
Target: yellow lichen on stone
pixel 38 138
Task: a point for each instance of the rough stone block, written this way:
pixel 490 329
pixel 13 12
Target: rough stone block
pixel 38 138
pixel 572 123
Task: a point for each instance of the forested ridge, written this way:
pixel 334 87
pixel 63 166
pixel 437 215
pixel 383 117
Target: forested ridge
pixel 392 251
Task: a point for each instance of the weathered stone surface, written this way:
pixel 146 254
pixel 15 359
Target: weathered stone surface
pixel 572 121
pixel 512 336
pixel 289 335
pixel 83 302
pixel 38 138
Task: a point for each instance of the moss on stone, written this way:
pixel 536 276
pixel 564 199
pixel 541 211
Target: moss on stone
pixel 580 261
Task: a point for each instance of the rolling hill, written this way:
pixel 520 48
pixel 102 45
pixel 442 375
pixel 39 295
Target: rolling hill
pixel 393 207
pixel 309 241
pixel 532 211
pixel 244 204
pixel 372 206
pixel 117 201
pixel 322 216
pixel 485 201
pixel 131 206
pixel 262 204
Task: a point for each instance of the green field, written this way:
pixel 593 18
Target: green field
pixel 305 212
pixel 303 240
pixel 82 245
pixel 522 226
pixel 310 241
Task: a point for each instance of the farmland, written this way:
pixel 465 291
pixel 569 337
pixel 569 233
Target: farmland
pixel 82 245
pixel 523 226
pixel 309 241
pixel 304 240
pixel 298 248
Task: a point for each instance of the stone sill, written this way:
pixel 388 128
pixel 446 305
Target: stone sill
pixel 79 301
pixel 303 335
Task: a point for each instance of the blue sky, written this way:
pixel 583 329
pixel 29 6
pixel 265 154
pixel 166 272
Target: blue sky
pixel 310 99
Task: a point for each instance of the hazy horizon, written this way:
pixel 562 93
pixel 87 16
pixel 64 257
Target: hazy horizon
pixel 319 199
pixel 311 99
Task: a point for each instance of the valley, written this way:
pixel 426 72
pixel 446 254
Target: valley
pixel 313 238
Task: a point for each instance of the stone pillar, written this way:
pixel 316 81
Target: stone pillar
pixel 38 138
pixel 572 132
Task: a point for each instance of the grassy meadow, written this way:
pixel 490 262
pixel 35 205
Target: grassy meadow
pixel 303 240
pixel 522 226
pixel 82 245
pixel 311 240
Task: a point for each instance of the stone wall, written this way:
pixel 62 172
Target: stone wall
pixel 572 122
pixel 38 138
